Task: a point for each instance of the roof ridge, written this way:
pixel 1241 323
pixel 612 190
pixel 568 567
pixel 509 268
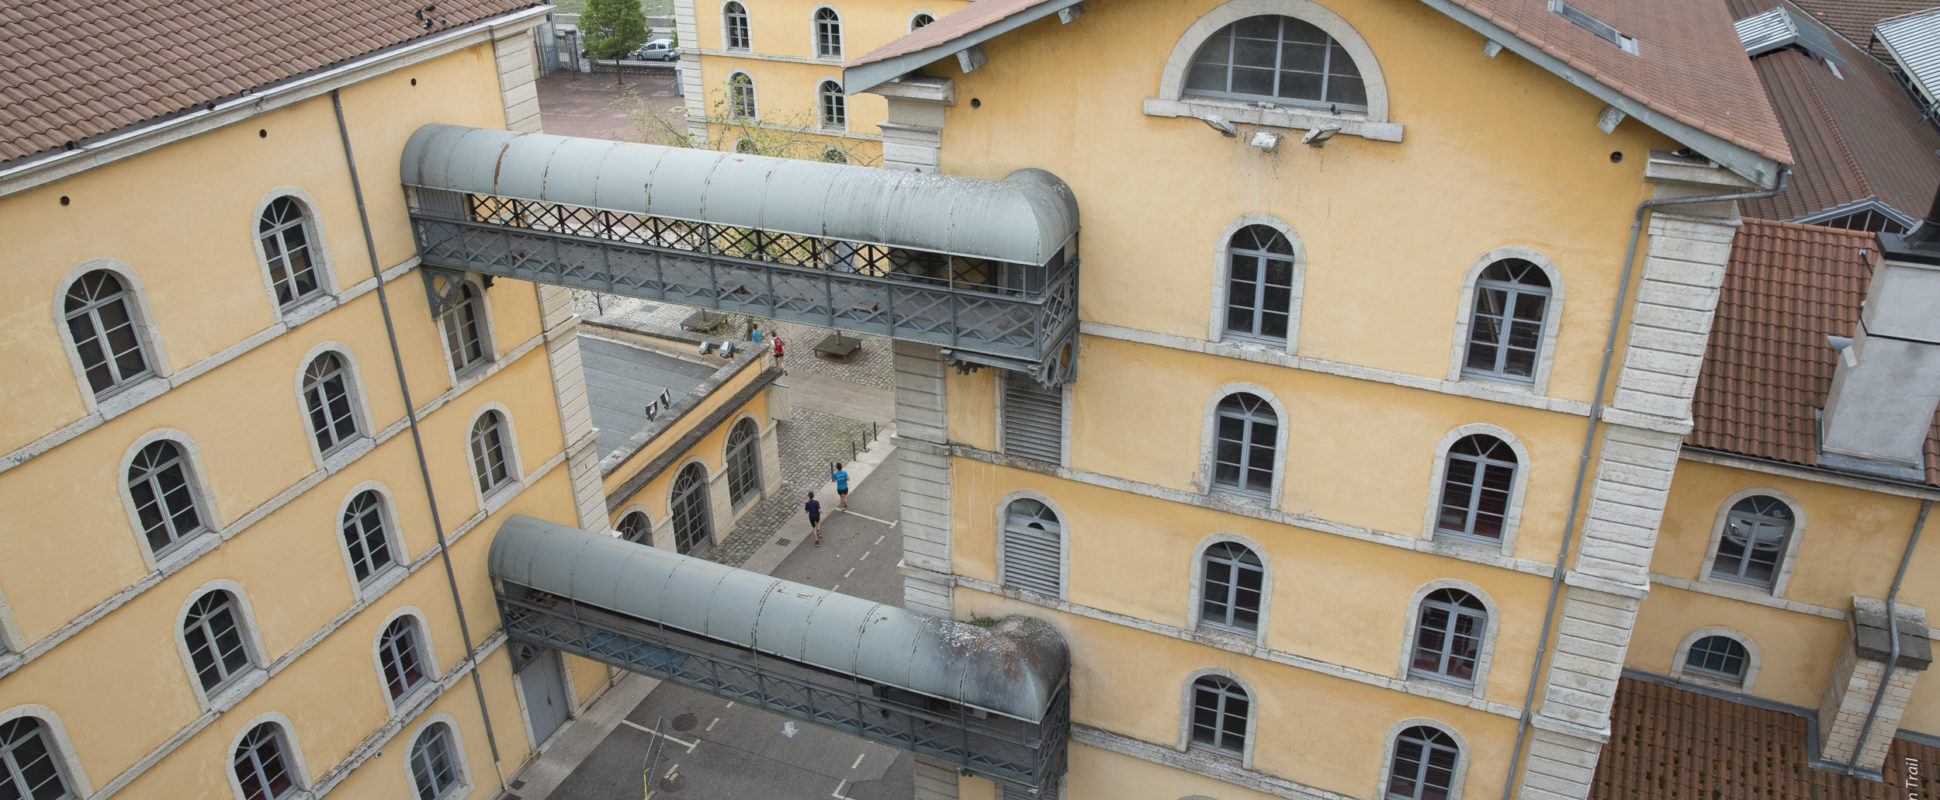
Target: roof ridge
pixel 1836 132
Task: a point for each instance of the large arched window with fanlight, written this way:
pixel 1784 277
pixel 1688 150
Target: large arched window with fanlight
pixel 1276 59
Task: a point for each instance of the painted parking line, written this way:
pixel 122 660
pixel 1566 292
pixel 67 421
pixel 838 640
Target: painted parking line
pixel 850 572
pixel 858 760
pixel 889 522
pixel 710 725
pixel 880 538
pixel 865 555
pixel 638 727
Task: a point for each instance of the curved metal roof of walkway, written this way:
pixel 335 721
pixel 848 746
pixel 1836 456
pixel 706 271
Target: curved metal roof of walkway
pixel 1025 218
pixel 1014 674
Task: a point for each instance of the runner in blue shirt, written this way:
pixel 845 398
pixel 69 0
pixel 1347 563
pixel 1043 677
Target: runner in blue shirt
pixel 841 484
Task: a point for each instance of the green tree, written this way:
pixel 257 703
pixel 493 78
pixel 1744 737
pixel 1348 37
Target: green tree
pixel 611 29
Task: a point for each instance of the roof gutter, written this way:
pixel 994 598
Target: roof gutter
pixel 1558 574
pixel 33 171
pixel 864 77
pixel 1760 170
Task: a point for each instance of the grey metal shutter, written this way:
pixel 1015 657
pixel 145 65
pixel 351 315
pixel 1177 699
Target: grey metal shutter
pixel 1033 420
pixel 1032 537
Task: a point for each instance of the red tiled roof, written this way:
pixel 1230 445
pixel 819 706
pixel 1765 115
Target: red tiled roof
pixel 1853 137
pixel 1854 19
pixel 1692 67
pixel 1767 367
pixel 1672 744
pixel 75 70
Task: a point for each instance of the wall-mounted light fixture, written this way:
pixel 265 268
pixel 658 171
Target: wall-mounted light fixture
pixel 1219 123
pixel 1318 137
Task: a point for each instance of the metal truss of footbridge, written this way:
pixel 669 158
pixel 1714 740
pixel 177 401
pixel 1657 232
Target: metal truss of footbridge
pixel 987 270
pixel 992 701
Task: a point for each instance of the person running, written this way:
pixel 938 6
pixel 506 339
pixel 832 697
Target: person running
pixel 814 509
pixel 784 370
pixel 841 478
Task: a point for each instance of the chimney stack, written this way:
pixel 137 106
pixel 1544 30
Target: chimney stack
pixel 1887 383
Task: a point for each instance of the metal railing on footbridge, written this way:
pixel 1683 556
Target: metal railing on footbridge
pixel 994 702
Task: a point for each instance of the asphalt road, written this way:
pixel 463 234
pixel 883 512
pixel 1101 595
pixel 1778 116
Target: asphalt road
pixel 720 750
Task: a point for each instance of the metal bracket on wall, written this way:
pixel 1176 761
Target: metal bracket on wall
pixel 442 289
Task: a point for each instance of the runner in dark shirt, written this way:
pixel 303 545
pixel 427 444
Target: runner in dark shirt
pixel 814 508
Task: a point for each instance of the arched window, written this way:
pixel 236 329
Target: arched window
pixel 326 396
pixel 1247 433
pixel 1449 628
pixel 402 657
pixel 636 528
pixel 1033 548
pixel 693 528
pixel 29 769
pixel 1259 284
pixel 215 639
pixel 1505 330
pixel 1719 658
pixel 734 22
pixel 285 234
pixel 262 764
pixel 1752 545
pixel 1220 709
pixel 834 106
pixel 158 483
pixel 1477 479
pixel 834 155
pixel 1231 587
pixel 828 33
pixel 743 463
pixel 434 764
pixel 1424 764
pixel 1276 59
pixel 464 326
pixel 491 462
pixel 741 96
pixel 920 20
pixel 367 537
pixel 746 146
pixel 101 320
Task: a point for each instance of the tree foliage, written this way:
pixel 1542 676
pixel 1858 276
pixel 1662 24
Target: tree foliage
pixel 612 29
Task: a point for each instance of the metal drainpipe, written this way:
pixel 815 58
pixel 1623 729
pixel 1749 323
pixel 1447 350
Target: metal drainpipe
pixel 1589 441
pixel 417 437
pixel 1893 632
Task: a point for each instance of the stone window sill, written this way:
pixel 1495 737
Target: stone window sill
pixel 1293 117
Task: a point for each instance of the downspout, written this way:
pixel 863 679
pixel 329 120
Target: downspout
pixel 1893 633
pixel 1589 443
pixel 417 437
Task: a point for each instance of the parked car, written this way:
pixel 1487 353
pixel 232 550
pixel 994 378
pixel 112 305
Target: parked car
pixel 657 50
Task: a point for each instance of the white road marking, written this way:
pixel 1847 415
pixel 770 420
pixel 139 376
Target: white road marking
pixel 671 772
pixel 710 726
pixel 836 588
pixel 730 704
pixel 890 523
pixel 850 572
pixel 865 555
pixel 837 794
pixel 858 760
pixel 879 538
pixel 638 727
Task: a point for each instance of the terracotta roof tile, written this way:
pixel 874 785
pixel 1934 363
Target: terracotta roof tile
pixel 1767 367
pixel 968 19
pixel 1671 744
pixel 75 70
pixel 1854 19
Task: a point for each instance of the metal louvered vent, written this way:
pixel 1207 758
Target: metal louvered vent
pixel 1033 419
pixel 1032 535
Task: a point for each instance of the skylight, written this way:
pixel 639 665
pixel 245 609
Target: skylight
pixel 1603 30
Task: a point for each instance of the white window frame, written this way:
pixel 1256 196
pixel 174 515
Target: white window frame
pixel 490 502
pixel 815 33
pixel 1252 716
pixel 760 489
pixel 1752 660
pixel 293 752
pixel 433 668
pixel 1484 656
pixel 243 682
pixel 199 487
pixel 1784 574
pixel 1209 446
pixel 1518 490
pixel 59 745
pixel 487 343
pixel 727 40
pixel 909 26
pixel 821 109
pixel 1394 739
pixel 1195 590
pixel 636 508
pixel 754 101
pixel 307 308
pixel 460 762
pixel 1064 540
pixel 1172 101
pixel 709 476
pixel 351 448
pixel 382 579
pixel 1552 321
pixel 121 399
pixel 1222 281
pixel 12 639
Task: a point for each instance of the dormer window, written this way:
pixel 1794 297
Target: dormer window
pixel 1277 60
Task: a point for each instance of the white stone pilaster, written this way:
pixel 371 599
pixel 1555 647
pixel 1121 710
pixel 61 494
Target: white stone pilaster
pixel 517 55
pixel 1859 677
pixel 921 436
pixel 912 134
pixel 575 411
